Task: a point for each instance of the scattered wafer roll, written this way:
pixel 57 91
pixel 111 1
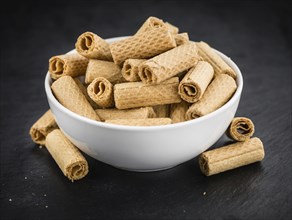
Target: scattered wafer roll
pixel 181 38
pixel 40 129
pixel 106 69
pixel 141 122
pixel 134 113
pixel 84 91
pixel 70 96
pixel 138 94
pixel 130 69
pixel 195 82
pixel 100 90
pixel 67 156
pixel 178 111
pixel 208 54
pixel 143 45
pixel 162 111
pixel 72 64
pixel 169 64
pixel 92 46
pixel 231 156
pixel 240 129
pixel 216 95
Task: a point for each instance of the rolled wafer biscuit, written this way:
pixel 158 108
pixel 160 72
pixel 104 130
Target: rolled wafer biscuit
pixel 169 64
pixel 181 38
pixel 67 156
pixel 178 111
pixel 138 94
pixel 231 156
pixel 106 69
pixel 143 45
pixel 72 64
pixel 216 95
pixel 130 69
pixel 240 129
pixel 195 82
pixel 141 122
pixel 100 90
pixel 162 111
pixel 84 91
pixel 154 22
pixel 92 46
pixel 40 129
pixel 69 95
pixel 134 113
pixel 208 54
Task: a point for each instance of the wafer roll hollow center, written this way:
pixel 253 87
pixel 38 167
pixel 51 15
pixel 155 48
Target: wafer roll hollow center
pixel 86 43
pixel 240 129
pixel 57 66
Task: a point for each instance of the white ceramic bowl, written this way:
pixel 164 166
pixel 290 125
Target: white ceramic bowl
pixel 145 148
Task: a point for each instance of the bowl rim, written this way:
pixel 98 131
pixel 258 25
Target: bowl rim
pixel 234 98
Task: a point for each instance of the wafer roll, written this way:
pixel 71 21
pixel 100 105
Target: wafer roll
pixel 195 82
pixel 101 92
pixel 92 46
pixel 134 113
pixel 181 38
pixel 72 64
pixel 153 23
pixel 240 129
pixel 216 95
pixel 208 54
pixel 84 91
pixel 178 111
pixel 231 156
pixel 67 156
pixel 138 94
pixel 162 111
pixel 143 45
pixel 40 129
pixel 141 122
pixel 70 96
pixel 130 69
pixel 106 69
pixel 169 64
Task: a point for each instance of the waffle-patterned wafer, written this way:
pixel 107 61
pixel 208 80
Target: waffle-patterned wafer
pixel 216 95
pixel 72 64
pixel 240 129
pixel 231 156
pixel 84 91
pixel 141 122
pixel 70 96
pixel 106 69
pixel 181 38
pixel 162 111
pixel 134 113
pixel 92 46
pixel 169 64
pixel 130 69
pixel 172 28
pixel 40 129
pixel 208 54
pixel 143 45
pixel 178 111
pixel 138 94
pixel 67 156
pixel 195 82
pixel 100 90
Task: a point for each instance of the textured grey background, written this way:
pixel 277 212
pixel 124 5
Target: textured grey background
pixel 255 34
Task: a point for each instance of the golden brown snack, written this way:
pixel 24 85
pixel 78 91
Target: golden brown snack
pixel 138 94
pixel 40 129
pixel 92 46
pixel 130 69
pixel 216 95
pixel 240 129
pixel 231 156
pixel 169 64
pixel 195 82
pixel 178 112
pixel 70 64
pixel 181 38
pixel 67 156
pixel 70 96
pixel 141 122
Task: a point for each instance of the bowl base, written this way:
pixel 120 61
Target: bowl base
pixel 144 170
